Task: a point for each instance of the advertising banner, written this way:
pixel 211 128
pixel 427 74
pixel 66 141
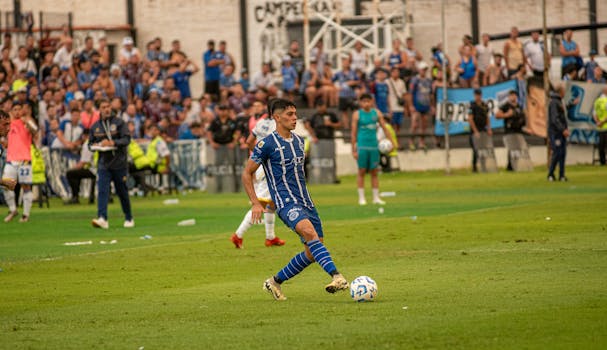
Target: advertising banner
pixel 458 101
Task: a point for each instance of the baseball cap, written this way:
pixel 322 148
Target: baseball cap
pixel 78 95
pixel 127 40
pixel 286 58
pixel 422 65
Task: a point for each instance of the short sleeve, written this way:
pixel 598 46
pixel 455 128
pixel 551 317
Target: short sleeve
pixel 260 152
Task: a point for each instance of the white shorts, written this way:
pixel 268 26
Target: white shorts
pixel 260 184
pixel 20 171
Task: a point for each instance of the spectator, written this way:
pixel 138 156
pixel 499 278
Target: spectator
pixel 413 57
pixel 297 59
pixel 484 54
pixel 495 72
pixel 223 137
pixel 213 61
pixel 85 77
pixel 322 124
pixel 103 50
pixel 478 118
pixel 86 54
pixel 128 50
pixel 590 66
pixel 290 81
pixel 310 87
pixel 382 93
pixel 157 151
pixel 122 87
pixel 45 66
pixel 397 58
pixel 558 132
pixel 227 57
pixel 105 83
pixel 397 97
pixel 422 108
pixel 182 77
pixel 176 55
pixel 467 41
pixel 317 53
pixel 155 52
pixel 513 52
pixel 23 62
pixel 7 64
pixel 600 118
pixel 89 115
pixel 467 69
pixel 534 53
pixel 7 43
pixel 63 56
pixel 69 134
pixel 514 118
pixel 570 52
pixel 346 81
pixel 226 82
pixel 438 56
pixel 599 76
pixel 359 57
pixel 244 79
pixel 84 169
pixel 264 82
pixel 328 86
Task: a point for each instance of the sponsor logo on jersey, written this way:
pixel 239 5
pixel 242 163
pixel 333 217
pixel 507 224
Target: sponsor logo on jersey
pixel 260 144
pixel 293 213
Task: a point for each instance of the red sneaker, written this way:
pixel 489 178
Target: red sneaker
pixel 237 241
pixel 275 241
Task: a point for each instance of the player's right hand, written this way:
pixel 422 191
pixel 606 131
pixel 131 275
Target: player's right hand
pixel 256 213
pixel 8 183
pixel 355 154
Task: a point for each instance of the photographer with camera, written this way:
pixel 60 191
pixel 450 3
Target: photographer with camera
pixel 514 118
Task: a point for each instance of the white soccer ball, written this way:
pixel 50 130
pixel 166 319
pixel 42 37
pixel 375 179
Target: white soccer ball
pixel 385 146
pixel 363 288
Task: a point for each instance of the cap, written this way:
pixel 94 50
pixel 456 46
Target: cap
pixel 286 58
pixel 422 65
pixel 592 52
pixel 78 95
pixel 243 70
pixel 127 40
pixel 114 67
pixel 30 74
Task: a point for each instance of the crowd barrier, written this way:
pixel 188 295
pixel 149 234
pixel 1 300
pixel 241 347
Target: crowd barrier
pixel 194 165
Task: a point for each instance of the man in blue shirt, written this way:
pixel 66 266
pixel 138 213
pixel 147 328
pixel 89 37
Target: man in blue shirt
pixel 213 60
pixel 182 77
pixel 282 156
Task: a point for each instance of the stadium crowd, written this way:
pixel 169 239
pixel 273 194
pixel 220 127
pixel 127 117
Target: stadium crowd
pixel 150 87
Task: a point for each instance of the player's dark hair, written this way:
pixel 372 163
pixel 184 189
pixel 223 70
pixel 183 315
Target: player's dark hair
pixel 279 104
pixel 3 114
pixel 366 97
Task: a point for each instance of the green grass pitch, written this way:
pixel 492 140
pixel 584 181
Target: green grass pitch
pixel 500 261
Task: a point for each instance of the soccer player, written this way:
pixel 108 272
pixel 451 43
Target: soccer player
pixel 110 135
pixel 365 146
pixel 5 122
pixel 264 127
pixel 282 156
pixel 18 166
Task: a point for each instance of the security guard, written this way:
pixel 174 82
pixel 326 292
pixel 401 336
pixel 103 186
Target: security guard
pixel 600 118
pixel 110 137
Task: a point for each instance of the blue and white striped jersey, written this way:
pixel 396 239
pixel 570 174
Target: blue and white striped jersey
pixel 283 163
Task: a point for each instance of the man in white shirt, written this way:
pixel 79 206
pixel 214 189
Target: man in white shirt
pixel 22 62
pixel 484 54
pixel 127 51
pixel 63 56
pixel 264 82
pixel 534 54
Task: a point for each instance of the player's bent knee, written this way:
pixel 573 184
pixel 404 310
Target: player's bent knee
pixel 306 230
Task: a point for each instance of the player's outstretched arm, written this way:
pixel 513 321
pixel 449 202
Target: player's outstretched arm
pixel 247 181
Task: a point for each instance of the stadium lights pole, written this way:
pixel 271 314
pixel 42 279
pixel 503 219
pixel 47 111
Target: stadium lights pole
pixel 443 105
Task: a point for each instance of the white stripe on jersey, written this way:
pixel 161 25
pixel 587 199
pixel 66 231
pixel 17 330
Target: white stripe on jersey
pixel 268 168
pixel 284 169
pixel 296 173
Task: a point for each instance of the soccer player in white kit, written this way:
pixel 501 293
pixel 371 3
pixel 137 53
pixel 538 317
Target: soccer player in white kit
pixel 263 128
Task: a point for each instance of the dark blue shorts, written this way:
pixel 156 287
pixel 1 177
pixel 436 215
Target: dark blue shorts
pixel 292 214
pixel 397 118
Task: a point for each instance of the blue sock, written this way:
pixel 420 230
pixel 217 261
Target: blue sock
pixel 295 266
pixel 322 256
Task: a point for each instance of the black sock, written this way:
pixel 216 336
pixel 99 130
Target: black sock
pixel 278 280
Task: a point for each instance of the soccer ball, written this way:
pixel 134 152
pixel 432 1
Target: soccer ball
pixel 385 146
pixel 363 288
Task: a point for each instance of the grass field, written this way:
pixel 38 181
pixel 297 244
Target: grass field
pixel 502 261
